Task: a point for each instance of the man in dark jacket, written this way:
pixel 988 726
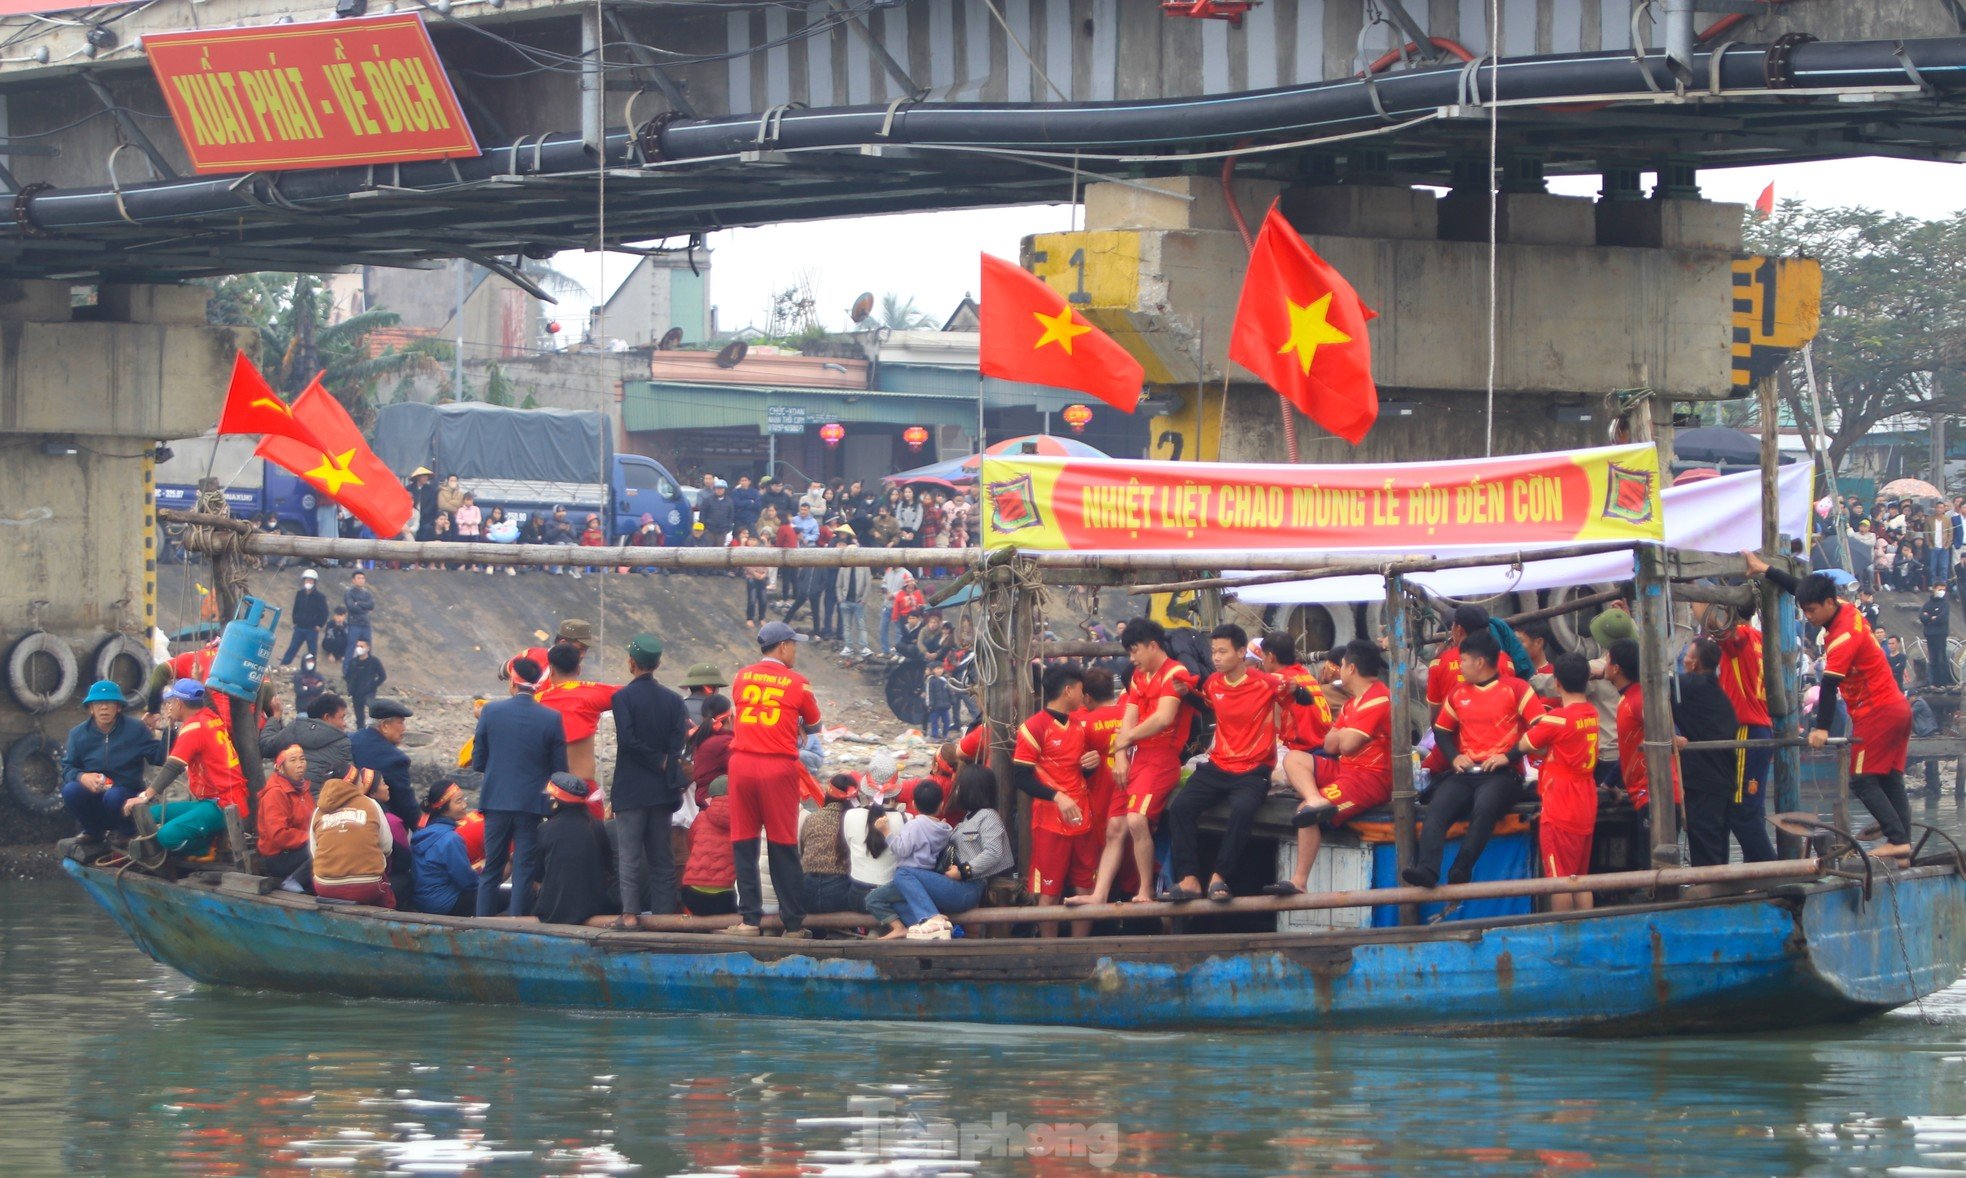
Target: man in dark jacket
pixel 519 743
pixel 364 675
pixel 102 767
pixel 650 727
pixel 776 497
pixel 309 614
pixel 321 733
pixel 359 601
pixel 377 747
pixel 573 856
pixel 423 488
pixel 1937 626
pixel 746 503
pixel 718 515
pixel 1702 712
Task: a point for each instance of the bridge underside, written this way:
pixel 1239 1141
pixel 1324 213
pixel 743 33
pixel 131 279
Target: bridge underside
pixel 676 176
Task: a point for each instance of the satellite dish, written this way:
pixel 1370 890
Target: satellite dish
pixel 733 354
pixel 671 340
pixel 862 307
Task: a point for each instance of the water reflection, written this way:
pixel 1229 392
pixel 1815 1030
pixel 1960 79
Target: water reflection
pixel 119 1066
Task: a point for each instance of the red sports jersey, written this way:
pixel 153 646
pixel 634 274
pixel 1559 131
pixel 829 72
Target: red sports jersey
pixel 1850 649
pixel 580 705
pixel 1146 691
pixel 1490 717
pixel 1304 725
pixel 211 764
pixel 1631 750
pixel 1370 712
pixel 1245 721
pixel 774 703
pixel 1445 672
pixel 1568 735
pixel 193 664
pixel 1102 724
pixel 971 746
pixel 1740 675
pixel 1053 747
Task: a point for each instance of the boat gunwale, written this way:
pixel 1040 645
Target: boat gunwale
pixel 1132 947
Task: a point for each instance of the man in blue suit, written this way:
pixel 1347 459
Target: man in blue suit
pixel 519 743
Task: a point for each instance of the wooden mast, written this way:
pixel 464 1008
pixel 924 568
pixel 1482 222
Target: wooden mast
pixel 1655 683
pixel 1400 655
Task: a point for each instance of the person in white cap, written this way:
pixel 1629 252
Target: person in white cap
pixel 308 615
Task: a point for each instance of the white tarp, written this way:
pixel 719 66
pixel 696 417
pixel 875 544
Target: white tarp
pixel 1714 515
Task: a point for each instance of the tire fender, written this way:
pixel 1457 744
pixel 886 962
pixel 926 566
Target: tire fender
pixel 22 657
pixel 124 661
pixel 31 762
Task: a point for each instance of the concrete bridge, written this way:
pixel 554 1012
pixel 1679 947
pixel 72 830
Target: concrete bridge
pixel 1170 130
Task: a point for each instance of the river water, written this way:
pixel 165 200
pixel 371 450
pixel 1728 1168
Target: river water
pixel 113 1064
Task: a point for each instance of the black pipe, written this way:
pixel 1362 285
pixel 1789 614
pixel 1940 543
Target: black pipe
pixel 1111 127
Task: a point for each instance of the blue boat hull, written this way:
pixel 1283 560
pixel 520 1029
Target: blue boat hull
pixel 1810 955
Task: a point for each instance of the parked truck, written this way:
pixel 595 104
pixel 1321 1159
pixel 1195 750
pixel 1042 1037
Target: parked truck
pixel 529 461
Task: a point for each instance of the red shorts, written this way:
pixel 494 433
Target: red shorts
pixel 1881 737
pixel 1058 860
pixel 1150 782
pixel 1351 791
pixel 764 794
pixel 1563 852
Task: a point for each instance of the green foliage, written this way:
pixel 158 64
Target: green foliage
pixel 1893 338
pixel 898 312
pixel 296 341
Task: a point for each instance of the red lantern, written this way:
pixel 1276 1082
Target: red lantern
pixel 1078 417
pixel 915 435
pixel 553 327
pixel 831 433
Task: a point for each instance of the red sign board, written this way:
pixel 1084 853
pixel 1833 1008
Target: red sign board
pixel 319 95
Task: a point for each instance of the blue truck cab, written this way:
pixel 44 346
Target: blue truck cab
pixel 253 486
pixel 635 486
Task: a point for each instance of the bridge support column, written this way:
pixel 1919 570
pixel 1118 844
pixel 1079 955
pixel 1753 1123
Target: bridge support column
pixel 1592 296
pixel 87 390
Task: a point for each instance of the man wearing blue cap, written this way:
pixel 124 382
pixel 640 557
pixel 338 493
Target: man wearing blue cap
pixel 203 755
pixel 104 765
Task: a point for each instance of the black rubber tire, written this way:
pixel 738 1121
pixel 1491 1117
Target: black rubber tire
pixel 124 661
pixel 906 693
pixel 41 644
pixel 33 773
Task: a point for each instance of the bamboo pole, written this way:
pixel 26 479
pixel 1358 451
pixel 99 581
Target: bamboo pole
pixel 1776 871
pixel 1401 650
pixel 1654 673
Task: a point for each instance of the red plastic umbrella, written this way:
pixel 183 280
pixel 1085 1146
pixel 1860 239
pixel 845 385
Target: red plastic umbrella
pixel 1045 444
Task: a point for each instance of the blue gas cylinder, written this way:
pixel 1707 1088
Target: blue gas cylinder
pixel 246 650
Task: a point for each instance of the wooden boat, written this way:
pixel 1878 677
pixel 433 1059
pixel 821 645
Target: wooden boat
pixel 1817 951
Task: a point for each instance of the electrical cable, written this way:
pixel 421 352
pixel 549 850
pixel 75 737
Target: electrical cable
pixel 1494 204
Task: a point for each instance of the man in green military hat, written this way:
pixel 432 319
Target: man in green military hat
pixel 700 682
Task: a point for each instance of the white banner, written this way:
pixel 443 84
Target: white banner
pixel 1714 515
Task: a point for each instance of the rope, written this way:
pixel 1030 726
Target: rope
pixel 1035 67
pixel 1494 204
pixel 601 315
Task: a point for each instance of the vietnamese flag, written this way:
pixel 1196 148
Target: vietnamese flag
pixel 1301 327
pixel 1764 205
pixel 252 407
pixel 341 465
pixel 1031 335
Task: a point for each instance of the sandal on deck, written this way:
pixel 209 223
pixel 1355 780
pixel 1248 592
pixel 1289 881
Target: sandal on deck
pixel 1306 815
pixel 1219 893
pixel 1282 887
pixel 1177 896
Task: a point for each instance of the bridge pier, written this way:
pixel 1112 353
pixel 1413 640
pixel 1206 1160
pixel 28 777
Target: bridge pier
pixel 1593 296
pixel 86 391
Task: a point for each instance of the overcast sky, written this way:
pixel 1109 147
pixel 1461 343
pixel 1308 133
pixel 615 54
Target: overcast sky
pixel 933 256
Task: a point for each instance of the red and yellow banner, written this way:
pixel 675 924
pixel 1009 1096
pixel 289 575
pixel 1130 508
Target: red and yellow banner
pixel 320 95
pixel 1038 503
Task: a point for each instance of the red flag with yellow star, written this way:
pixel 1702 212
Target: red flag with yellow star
pixel 1301 327
pixel 1032 335
pixel 339 464
pixel 252 407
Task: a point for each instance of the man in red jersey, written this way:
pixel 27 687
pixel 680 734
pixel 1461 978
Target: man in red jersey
pixel 580 704
pixel 1357 774
pixel 1146 754
pixel 775 709
pixel 1446 670
pixel 1621 671
pixel 203 755
pixel 1306 718
pixel 1567 737
pixel 1740 678
pixel 1051 764
pixel 1102 715
pixel 1480 722
pixel 1237 770
pixel 1880 716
